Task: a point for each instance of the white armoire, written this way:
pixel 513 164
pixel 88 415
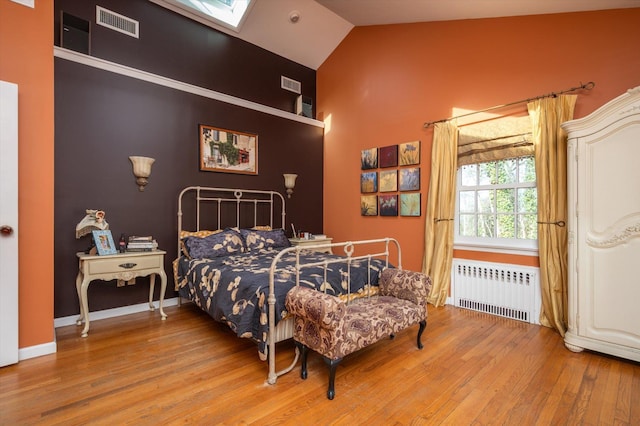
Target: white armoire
pixel 604 229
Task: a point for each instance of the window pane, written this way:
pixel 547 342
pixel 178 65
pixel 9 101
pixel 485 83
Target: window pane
pixel 506 226
pixel 505 201
pixel 487 173
pixel 528 226
pixel 469 175
pixel 526 169
pixel 485 201
pixel 506 171
pixel 467 225
pixel 468 201
pixel 486 225
pixel 527 200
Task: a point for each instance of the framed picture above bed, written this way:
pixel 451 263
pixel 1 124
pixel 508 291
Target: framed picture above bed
pixel 228 151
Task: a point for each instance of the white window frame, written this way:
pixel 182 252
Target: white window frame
pixel 517 246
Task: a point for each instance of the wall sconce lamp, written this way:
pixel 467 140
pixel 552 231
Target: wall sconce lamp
pixel 142 170
pixel 289 183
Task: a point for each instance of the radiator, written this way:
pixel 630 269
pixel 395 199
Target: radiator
pixel 510 291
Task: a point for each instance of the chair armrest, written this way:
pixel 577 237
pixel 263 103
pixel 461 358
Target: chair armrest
pixel 408 285
pixel 322 309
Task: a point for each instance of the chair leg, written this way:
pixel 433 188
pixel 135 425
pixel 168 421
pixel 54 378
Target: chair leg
pixel 333 364
pixel 423 324
pixel 304 351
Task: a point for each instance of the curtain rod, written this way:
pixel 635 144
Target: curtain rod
pixel 588 86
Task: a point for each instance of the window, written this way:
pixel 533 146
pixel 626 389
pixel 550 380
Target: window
pixel 497 204
pixel 228 13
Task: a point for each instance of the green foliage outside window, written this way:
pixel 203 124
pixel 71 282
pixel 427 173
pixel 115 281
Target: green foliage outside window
pixel 498 199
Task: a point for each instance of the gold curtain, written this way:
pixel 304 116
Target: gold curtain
pixel 550 147
pixel 438 253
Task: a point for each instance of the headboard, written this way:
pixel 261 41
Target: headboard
pixel 201 207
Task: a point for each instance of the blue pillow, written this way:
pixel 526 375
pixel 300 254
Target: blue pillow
pixel 256 240
pixel 223 243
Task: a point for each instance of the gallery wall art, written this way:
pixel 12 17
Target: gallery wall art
pixel 397 181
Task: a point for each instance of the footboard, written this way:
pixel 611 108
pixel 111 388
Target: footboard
pixel 349 252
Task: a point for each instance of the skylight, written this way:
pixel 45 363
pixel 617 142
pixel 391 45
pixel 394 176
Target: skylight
pixel 228 13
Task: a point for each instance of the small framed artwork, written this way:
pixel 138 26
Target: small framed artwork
pixel 369 205
pixel 228 151
pixel 388 156
pixel 388 180
pixel 409 179
pixel 369 159
pixel 368 182
pixel 388 205
pixel 409 153
pixel 410 204
pixel 104 242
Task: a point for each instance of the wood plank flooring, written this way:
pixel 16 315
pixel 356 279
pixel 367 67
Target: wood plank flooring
pixel 475 369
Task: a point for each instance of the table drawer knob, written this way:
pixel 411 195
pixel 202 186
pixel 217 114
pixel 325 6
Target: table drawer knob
pixel 127 265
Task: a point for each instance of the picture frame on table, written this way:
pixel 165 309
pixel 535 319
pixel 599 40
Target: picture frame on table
pixel 104 242
pixel 227 151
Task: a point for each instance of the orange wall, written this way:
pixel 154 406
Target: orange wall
pixel 383 82
pixel 26 58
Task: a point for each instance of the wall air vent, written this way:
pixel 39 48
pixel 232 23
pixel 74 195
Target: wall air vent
pixel 290 85
pixel 117 22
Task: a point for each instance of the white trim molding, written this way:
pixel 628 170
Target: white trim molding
pixel 113 67
pixel 112 313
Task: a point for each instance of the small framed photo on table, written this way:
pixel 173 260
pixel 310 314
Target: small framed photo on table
pixel 104 242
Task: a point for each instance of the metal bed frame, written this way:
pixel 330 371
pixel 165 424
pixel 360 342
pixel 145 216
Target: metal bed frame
pixel 270 200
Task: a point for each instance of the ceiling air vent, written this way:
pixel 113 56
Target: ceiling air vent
pixel 291 85
pixel 117 22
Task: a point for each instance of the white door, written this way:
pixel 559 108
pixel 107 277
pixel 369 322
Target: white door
pixel 8 223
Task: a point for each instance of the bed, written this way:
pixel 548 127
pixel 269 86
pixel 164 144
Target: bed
pixel 235 262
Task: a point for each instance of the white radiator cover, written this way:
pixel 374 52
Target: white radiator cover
pixel 510 291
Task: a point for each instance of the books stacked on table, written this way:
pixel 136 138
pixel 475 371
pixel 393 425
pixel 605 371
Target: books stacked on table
pixel 141 244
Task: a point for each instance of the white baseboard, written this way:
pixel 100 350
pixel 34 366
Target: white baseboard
pixel 114 312
pixel 37 350
pixel 51 347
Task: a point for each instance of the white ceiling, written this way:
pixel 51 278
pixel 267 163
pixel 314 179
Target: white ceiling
pixel 323 24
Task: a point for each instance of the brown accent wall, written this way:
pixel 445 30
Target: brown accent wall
pixel 102 118
pixel 383 82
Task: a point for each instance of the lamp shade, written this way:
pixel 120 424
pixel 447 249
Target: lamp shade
pixel 93 221
pixel 141 169
pixel 289 183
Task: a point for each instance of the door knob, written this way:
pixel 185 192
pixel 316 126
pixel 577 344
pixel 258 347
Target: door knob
pixel 6 230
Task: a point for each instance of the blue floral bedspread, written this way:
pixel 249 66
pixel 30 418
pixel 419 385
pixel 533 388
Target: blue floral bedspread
pixel 233 289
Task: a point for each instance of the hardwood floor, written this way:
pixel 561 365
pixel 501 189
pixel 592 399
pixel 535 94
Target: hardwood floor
pixel 474 369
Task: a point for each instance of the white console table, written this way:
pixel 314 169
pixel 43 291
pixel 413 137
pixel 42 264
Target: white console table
pixel 120 266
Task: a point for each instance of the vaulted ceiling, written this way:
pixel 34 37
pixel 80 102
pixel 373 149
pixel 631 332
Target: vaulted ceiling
pixel 307 31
